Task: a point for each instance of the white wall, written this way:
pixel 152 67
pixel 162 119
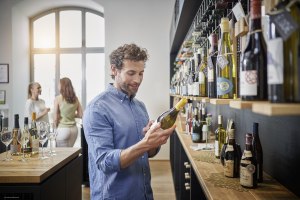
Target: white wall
pixel 146 23
pixel 143 22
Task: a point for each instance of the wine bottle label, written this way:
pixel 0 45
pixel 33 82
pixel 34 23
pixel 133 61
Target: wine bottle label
pixel 246 176
pixel 217 153
pixel 228 168
pixel 248 83
pixel 196 89
pixel 210 64
pixel 229 148
pixel 35 145
pixel 13 149
pixel 184 90
pixel 238 11
pixel 246 154
pixel 222 62
pixel 210 75
pixel 275 61
pixel 190 89
pixel 201 77
pixel 224 86
pixel 285 24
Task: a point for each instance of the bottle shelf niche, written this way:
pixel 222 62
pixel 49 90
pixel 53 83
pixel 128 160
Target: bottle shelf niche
pixel 259 107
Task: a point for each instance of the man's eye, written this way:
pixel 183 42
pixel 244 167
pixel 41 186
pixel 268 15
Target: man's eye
pixel 131 73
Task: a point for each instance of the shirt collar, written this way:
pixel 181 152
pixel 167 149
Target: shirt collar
pixel 120 94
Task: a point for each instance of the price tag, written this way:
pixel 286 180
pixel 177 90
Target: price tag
pixel 222 61
pixel 210 64
pixel 238 11
pixel 285 24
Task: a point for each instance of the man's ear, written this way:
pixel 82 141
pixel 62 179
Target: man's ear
pixel 113 70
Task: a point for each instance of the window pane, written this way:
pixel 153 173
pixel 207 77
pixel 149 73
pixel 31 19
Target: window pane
pixel 94 30
pixel 94 75
pixel 44 32
pixel 45 63
pixel 70 66
pixel 70 29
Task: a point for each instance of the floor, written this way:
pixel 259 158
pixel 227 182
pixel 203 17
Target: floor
pixel 162 181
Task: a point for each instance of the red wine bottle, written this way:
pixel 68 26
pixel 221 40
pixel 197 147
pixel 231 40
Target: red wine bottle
pixel 248 172
pixel 253 75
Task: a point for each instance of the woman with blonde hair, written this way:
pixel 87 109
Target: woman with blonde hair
pixel 66 108
pixel 36 104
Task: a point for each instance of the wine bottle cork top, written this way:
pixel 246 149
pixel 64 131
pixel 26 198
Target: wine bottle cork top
pixel 33 116
pixel 181 103
pixel 224 24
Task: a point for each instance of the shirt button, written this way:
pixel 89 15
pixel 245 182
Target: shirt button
pixel 143 156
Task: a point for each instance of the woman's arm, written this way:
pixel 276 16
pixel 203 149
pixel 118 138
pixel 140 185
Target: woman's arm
pixel 79 112
pixel 43 107
pixel 56 116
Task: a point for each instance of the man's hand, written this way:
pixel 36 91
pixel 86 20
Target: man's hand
pixel 156 136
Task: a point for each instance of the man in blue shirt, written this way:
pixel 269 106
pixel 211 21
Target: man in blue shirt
pixel 119 133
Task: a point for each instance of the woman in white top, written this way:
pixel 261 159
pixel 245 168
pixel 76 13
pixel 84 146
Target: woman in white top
pixel 35 104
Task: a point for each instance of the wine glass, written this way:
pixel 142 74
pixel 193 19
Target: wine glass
pixel 205 132
pixel 42 131
pixel 6 139
pixel 23 139
pixel 51 137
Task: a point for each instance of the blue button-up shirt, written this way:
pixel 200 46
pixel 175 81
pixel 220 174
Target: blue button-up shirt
pixel 112 122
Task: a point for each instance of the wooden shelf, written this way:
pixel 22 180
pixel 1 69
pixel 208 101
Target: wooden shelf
pixel 269 189
pixel 260 107
pixel 276 109
pixel 220 101
pixel 238 104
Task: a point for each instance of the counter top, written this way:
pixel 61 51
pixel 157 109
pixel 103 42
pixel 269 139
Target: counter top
pixel 215 185
pixel 35 170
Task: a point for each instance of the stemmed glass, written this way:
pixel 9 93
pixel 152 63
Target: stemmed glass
pixel 205 132
pixel 42 130
pixel 6 139
pixel 51 137
pixel 23 139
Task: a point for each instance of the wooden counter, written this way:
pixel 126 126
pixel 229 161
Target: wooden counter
pixel 58 177
pixel 35 170
pixel 205 171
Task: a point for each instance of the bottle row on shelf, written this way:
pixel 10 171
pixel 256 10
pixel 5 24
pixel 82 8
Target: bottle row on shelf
pixel 248 166
pixel 262 64
pixel 260 107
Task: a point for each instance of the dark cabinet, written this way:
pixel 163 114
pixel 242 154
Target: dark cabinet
pixel 186 183
pixel 65 184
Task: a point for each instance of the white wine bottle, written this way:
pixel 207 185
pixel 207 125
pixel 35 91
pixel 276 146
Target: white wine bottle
pixel 226 65
pixel 220 137
pixel 168 118
pixel 34 138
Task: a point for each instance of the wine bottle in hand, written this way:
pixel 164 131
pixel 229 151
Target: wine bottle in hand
pixel 168 118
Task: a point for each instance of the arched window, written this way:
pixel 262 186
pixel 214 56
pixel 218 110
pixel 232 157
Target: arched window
pixel 68 42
